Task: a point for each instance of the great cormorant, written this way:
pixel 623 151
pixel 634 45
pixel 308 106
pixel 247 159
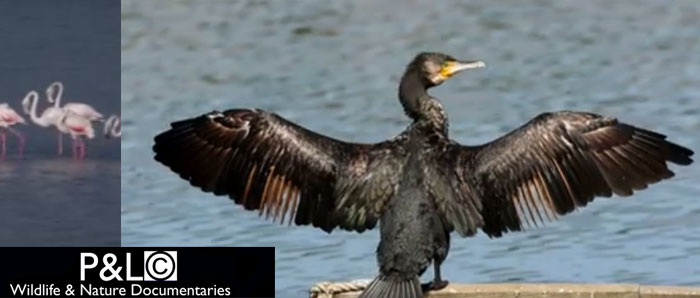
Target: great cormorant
pixel 420 185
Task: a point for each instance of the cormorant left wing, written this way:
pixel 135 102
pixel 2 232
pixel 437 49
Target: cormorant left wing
pixel 264 162
pixel 560 161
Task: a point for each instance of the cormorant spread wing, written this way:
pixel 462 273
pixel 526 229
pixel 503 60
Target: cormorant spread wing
pixel 549 167
pixel 560 161
pixel 265 162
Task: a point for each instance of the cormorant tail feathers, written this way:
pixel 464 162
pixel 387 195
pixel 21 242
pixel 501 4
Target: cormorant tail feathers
pixel 392 287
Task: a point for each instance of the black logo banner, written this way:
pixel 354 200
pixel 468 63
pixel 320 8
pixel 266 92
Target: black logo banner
pixel 137 272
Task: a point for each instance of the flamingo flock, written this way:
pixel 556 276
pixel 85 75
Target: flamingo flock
pixel 73 118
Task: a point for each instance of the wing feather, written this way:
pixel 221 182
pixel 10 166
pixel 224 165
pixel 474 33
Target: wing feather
pixel 561 161
pixel 269 164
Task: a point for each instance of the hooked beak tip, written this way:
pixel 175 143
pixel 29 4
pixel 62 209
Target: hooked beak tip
pixel 471 64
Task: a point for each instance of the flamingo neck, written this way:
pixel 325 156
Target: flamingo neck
pixel 59 94
pixel 115 129
pixel 41 121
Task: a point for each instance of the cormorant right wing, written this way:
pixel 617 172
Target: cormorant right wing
pixel 560 161
pixel 265 162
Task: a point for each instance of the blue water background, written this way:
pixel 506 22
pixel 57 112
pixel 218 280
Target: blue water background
pixel 334 67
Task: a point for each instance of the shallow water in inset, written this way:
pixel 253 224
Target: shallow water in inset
pixel 58 202
pixel 334 67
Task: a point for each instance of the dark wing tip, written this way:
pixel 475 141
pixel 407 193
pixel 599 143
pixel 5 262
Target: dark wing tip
pixel 675 153
pixel 195 158
pixel 178 130
pixel 679 154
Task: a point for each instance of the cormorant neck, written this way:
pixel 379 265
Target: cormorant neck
pixel 411 90
pixel 425 110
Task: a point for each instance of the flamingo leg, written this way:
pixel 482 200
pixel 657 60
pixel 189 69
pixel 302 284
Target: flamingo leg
pixel 84 149
pixel 75 149
pixel 21 138
pixel 60 143
pixel 3 140
pixel 78 148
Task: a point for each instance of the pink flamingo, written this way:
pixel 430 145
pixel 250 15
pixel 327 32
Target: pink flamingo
pixel 54 94
pixel 79 127
pixel 48 117
pixel 9 117
pixel 113 127
pixel 79 108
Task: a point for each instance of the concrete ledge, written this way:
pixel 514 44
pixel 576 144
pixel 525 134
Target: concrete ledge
pixel 553 290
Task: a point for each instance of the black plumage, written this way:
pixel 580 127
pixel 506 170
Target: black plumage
pixel 420 185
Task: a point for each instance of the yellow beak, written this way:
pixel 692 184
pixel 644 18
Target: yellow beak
pixel 454 67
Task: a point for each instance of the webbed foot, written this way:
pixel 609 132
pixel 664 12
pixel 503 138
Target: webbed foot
pixel 434 285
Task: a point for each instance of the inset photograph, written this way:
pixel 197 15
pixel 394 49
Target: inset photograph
pixel 60 123
pixel 399 148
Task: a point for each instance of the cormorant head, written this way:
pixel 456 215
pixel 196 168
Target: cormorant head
pixel 436 68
